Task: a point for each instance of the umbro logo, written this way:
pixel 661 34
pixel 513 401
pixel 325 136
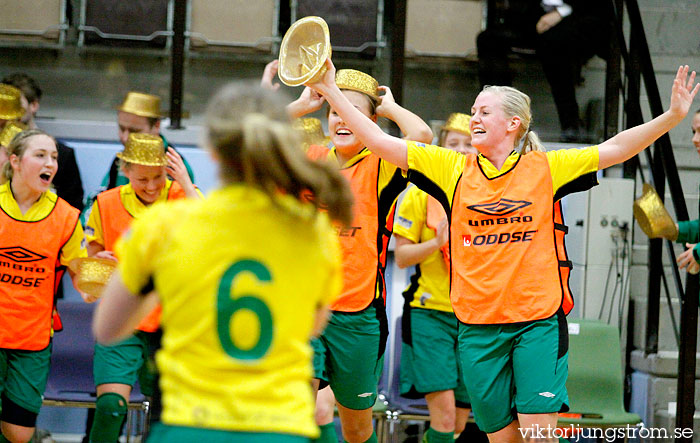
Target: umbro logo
pixel 500 208
pixel 20 254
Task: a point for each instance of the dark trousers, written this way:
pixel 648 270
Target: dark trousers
pixel 562 51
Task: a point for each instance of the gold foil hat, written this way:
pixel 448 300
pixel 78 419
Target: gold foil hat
pixel 357 81
pixel 458 122
pixel 652 216
pixel 312 131
pixel 144 149
pixel 9 132
pixel 10 102
pixel 305 47
pixel 92 274
pixel 141 104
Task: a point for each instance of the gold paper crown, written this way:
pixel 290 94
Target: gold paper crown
pixel 144 149
pixel 303 52
pixel 141 104
pixel 652 216
pixel 92 274
pixel 10 131
pixel 312 131
pixel 357 81
pixel 458 122
pixel 10 102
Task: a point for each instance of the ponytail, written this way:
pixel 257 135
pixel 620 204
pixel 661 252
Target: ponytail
pixel 532 143
pixel 517 103
pixel 249 129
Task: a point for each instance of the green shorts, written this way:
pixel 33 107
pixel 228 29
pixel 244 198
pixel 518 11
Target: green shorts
pixel 23 376
pixel 516 368
pixel 127 361
pixel 176 434
pixel 349 355
pixel 429 361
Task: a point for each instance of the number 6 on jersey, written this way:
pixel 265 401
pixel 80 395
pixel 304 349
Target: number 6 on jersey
pixel 229 303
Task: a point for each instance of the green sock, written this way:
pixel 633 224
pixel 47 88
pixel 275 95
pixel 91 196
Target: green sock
pixel 110 412
pixel 371 439
pixel 433 436
pixel 328 434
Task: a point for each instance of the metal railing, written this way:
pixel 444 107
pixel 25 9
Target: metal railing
pixel 661 162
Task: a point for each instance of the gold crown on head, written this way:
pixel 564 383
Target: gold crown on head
pixel 144 149
pixel 458 122
pixel 92 274
pixel 141 104
pixel 10 102
pixel 10 131
pixel 311 130
pixel 354 80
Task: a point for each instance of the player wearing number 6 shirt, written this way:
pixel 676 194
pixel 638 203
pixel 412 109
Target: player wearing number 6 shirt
pixel 244 278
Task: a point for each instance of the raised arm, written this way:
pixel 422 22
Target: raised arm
pixel 309 101
pixel 120 311
pixel 412 126
pixel 630 142
pixel 391 149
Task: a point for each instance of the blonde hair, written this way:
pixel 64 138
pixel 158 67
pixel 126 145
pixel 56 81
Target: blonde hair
pixel 18 146
pixel 516 103
pixel 442 137
pixel 250 130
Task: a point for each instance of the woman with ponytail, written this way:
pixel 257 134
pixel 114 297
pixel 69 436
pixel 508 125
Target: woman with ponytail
pixel 244 278
pixel 506 285
pixel 349 354
pixel 40 234
pixel 429 361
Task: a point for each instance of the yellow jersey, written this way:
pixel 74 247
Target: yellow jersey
pixel 240 280
pixel 447 175
pixel 440 169
pixel 430 285
pixel 74 248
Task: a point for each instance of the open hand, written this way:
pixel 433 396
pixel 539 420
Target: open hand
pixel 683 92
pixel 686 259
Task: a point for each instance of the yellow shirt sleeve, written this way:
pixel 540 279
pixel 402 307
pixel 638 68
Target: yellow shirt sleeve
pixel 74 247
pixel 410 217
pixel 440 166
pixel 386 172
pixel 139 246
pixel 567 165
pixel 93 228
